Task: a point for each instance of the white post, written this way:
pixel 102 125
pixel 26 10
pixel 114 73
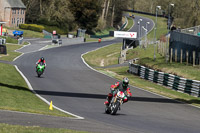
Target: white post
pixel 147 32
pixel 139 35
pixel 154 57
pixel 169 19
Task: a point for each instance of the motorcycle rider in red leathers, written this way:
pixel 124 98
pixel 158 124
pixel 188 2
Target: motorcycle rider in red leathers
pixel 41 60
pixel 122 86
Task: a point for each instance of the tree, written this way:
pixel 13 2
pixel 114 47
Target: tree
pixel 86 13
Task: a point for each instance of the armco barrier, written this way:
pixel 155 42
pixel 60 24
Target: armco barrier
pixel 191 87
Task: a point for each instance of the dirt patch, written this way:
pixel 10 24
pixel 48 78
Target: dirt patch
pixel 102 63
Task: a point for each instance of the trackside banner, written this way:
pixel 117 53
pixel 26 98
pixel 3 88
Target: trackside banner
pixel 124 34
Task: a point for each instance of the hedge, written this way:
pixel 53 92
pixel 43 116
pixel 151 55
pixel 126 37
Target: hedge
pixel 33 27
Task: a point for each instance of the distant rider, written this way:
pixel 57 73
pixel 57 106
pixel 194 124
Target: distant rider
pixel 41 60
pixel 122 86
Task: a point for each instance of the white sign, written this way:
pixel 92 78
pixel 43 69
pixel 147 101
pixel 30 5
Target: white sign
pixel 124 34
pixel 54 32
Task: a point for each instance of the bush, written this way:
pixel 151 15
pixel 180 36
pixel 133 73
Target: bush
pixel 33 27
pixel 44 21
pixel 39 28
pixel 58 30
pixel 23 26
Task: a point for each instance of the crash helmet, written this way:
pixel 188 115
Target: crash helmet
pixel 42 59
pixel 125 82
pixel 112 87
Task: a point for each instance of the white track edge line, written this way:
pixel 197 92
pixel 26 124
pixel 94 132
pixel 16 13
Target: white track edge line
pixel 30 87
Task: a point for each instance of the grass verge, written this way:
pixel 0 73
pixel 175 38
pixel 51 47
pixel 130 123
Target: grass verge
pixel 130 24
pixel 14 92
pixel 5 128
pixel 120 72
pixel 11 54
pixel 161 26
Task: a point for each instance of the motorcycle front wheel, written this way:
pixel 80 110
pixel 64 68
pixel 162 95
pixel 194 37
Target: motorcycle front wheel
pixel 114 108
pixel 39 73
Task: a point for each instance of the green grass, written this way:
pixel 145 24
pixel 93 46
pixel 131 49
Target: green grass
pixel 9 39
pixel 32 34
pixel 130 24
pixel 15 94
pixel 5 128
pixel 58 30
pixel 121 72
pixel 105 31
pixel 28 33
pixel 104 57
pixel 161 26
pixel 146 57
pixel 14 90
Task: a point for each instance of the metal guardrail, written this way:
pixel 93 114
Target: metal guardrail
pixel 191 87
pixel 192 30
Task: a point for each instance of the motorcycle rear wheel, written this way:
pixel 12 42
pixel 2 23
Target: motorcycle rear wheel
pixel 107 110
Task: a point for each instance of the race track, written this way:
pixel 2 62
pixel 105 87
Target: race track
pixel 74 87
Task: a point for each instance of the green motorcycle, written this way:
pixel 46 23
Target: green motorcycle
pixel 40 69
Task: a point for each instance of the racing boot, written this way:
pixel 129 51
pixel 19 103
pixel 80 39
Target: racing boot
pixel 108 99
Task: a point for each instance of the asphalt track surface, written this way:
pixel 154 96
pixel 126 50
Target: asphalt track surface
pixel 76 88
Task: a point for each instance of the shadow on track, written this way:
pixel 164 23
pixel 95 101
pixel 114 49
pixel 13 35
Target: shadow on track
pixel 100 96
pixel 14 87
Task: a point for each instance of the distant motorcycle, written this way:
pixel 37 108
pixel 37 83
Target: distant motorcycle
pixel 115 103
pixel 40 69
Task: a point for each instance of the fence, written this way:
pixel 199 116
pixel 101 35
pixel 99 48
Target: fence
pixel 184 47
pixel 191 87
pixel 47 34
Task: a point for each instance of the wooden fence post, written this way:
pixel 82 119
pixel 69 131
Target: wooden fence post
pixel 194 58
pixel 175 55
pixel 171 55
pixel 187 57
pixel 199 58
pixel 181 60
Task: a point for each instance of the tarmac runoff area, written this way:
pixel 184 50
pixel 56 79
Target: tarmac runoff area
pixel 30 119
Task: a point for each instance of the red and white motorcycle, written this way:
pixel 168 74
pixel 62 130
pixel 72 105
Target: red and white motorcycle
pixel 115 103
